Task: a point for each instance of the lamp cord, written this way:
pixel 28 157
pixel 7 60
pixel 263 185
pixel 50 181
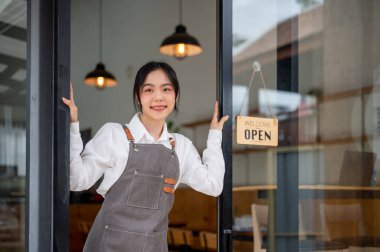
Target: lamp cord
pixel 100 30
pixel 180 11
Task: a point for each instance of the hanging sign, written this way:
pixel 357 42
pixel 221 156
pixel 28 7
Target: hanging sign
pixel 257 130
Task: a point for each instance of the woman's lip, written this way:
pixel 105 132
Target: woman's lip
pixel 158 108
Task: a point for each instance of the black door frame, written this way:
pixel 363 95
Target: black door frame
pixel 224 94
pixel 47 161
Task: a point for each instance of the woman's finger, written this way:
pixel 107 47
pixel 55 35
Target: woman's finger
pixel 66 101
pixel 71 91
pixel 223 120
pixel 216 112
pixel 70 103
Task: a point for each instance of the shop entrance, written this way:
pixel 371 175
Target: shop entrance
pixel 322 69
pixel 128 40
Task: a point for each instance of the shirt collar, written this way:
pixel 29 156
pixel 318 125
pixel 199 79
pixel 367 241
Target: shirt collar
pixel 138 130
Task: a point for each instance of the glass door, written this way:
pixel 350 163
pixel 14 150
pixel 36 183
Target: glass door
pixel 318 190
pixel 13 34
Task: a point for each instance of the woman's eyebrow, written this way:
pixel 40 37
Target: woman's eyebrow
pixel 151 85
pixel 147 84
pixel 167 84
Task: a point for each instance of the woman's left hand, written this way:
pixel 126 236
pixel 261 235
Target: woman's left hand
pixel 215 124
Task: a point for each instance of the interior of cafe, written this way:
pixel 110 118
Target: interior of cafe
pixel 133 33
pixel 319 76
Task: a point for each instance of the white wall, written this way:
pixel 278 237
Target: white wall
pixel 132 33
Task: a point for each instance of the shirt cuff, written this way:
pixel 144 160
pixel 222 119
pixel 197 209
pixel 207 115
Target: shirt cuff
pixel 74 128
pixel 214 136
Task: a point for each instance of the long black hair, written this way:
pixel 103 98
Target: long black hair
pixel 143 72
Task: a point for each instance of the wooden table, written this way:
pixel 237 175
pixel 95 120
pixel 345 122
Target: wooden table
pixel 320 191
pixel 309 187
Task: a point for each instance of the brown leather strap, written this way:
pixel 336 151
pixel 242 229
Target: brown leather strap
pixel 168 189
pixel 170 181
pixel 128 133
pixel 172 142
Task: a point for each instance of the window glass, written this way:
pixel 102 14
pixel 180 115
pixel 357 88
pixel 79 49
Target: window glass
pixel 13 18
pixel 321 65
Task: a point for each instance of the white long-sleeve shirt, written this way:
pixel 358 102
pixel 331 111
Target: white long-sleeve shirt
pixel 107 153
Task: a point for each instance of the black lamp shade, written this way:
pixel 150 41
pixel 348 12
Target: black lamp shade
pixel 180 44
pixel 100 78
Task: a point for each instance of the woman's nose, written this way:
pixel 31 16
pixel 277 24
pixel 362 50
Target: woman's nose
pixel 159 96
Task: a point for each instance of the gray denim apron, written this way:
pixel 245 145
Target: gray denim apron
pixel 134 214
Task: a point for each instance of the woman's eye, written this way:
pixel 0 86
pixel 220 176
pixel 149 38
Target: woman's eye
pixel 167 89
pixel 148 90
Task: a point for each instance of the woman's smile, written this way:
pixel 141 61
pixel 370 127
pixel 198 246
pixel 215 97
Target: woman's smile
pixel 158 108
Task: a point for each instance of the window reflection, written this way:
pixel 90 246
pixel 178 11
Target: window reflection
pixel 12 124
pixel 334 112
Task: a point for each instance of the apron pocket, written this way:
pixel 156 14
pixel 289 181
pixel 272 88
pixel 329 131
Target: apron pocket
pixel 145 190
pixel 116 240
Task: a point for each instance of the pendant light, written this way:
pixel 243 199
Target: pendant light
pixel 180 44
pixel 100 77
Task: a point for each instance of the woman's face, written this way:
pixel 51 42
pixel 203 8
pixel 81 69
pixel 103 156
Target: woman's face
pixel 157 96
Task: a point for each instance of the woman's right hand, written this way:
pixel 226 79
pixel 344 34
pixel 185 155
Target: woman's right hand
pixel 71 104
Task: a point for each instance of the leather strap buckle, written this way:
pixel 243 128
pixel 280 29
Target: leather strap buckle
pixel 128 133
pixel 168 189
pixel 172 142
pixel 170 181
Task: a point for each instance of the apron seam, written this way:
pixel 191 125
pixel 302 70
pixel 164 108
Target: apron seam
pixel 154 144
pixel 124 171
pixel 101 244
pixel 146 238
pixel 159 194
pixel 130 189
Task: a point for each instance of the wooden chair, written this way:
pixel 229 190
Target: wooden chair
pixel 345 223
pixel 84 228
pixel 208 241
pixel 170 240
pixel 342 220
pixel 181 239
pixel 260 219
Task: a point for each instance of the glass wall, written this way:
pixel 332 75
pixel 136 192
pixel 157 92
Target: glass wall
pixel 320 60
pixel 13 18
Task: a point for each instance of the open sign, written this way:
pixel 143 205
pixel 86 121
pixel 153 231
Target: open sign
pixel 257 131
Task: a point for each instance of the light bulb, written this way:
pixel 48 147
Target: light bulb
pixel 180 50
pixel 100 82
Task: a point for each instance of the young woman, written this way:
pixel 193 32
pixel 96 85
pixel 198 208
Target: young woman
pixel 142 164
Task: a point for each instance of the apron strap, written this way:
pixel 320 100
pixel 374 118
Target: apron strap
pixel 131 139
pixel 172 142
pixel 128 133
